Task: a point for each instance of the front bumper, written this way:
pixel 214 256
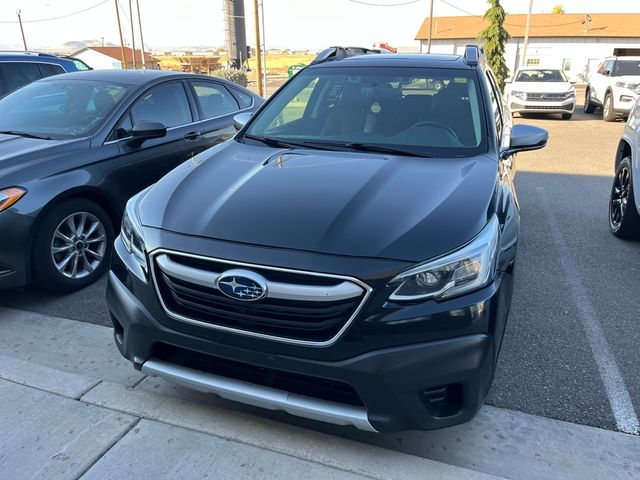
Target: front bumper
pixel 399 384
pixel 15 246
pixel 517 105
pixel 623 100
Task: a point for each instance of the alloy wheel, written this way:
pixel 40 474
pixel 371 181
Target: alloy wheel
pixel 605 108
pixel 78 245
pixel 619 197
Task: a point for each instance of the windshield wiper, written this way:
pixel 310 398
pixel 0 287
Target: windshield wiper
pixel 373 147
pixel 24 134
pixel 274 142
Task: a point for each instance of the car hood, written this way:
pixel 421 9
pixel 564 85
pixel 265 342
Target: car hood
pixel 18 153
pixel 543 87
pixel 342 203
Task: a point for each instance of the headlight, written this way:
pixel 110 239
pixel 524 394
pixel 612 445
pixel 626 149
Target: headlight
pixel 131 231
pixel 467 269
pixel 519 94
pixel 570 93
pixel 635 86
pixel 9 196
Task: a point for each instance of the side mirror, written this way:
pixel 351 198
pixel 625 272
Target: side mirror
pixel 143 131
pixel 525 138
pixel 240 120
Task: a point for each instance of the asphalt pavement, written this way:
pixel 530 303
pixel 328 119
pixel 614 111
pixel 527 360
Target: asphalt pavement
pixel 571 346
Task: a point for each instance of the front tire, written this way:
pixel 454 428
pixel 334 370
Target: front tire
pixel 608 113
pixel 624 220
pixel 589 106
pixel 73 246
pixel 567 116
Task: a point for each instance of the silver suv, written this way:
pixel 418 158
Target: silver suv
pixel 624 206
pixel 614 87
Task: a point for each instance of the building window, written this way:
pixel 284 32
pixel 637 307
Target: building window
pixel 566 64
pixel 533 62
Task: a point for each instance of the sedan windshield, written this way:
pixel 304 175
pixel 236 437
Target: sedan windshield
pixel 60 109
pixel 541 76
pixel 408 111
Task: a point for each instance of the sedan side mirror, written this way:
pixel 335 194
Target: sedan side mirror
pixel 525 138
pixel 143 131
pixel 240 120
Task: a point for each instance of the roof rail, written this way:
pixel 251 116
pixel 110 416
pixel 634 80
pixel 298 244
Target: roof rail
pixel 338 53
pixel 27 52
pixel 473 54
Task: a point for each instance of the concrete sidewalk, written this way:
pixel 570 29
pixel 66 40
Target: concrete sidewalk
pixel 71 407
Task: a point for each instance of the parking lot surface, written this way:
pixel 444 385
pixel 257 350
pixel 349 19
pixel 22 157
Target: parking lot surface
pixel 571 346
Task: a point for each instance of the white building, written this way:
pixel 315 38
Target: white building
pixel 107 58
pixel 575 42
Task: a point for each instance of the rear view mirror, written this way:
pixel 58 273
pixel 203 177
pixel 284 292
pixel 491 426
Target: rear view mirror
pixel 145 131
pixel 525 138
pixel 240 120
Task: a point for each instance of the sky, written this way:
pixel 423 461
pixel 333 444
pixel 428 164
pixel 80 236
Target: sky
pixel 295 24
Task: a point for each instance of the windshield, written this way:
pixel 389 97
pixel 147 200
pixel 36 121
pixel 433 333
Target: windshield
pixel 626 67
pixel 415 111
pixel 60 109
pixel 541 76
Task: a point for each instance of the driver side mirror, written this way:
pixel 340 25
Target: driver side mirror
pixel 240 120
pixel 525 138
pixel 143 131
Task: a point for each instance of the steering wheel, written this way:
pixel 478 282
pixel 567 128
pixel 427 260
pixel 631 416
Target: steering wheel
pixel 441 126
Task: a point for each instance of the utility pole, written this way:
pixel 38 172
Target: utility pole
pixel 264 51
pixel 144 63
pixel 526 35
pixel 133 35
pixel 256 18
pixel 24 42
pixel 430 25
pixel 124 63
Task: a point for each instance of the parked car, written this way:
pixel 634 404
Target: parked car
pixel 75 147
pixel 536 90
pixel 624 205
pixel 19 68
pixel 347 257
pixel 614 87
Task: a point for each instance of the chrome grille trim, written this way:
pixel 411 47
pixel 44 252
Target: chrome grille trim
pixel 284 291
pixel 260 396
pixel 366 288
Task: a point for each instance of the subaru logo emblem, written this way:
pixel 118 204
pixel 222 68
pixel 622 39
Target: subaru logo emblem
pixel 242 285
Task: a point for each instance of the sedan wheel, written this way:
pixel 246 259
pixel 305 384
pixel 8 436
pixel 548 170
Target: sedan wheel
pixel 624 220
pixel 72 246
pixel 78 245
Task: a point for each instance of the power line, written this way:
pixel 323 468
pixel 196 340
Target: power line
pixel 384 4
pixel 508 23
pixel 461 9
pixel 61 16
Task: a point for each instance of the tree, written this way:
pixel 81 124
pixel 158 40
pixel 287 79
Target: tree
pixel 557 9
pixel 495 37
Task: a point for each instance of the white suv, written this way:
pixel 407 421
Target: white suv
pixel 624 204
pixel 614 87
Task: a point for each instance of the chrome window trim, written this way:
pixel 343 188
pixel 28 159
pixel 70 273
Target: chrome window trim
pixel 177 126
pixel 326 343
pixel 280 290
pixel 261 396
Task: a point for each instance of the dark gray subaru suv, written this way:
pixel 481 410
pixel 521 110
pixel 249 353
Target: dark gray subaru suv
pixel 347 257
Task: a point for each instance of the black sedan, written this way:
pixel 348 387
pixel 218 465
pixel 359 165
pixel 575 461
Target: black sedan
pixel 75 147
